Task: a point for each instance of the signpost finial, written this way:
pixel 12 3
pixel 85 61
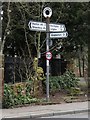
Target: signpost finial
pixel 47 12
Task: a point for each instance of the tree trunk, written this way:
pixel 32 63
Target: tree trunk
pixel 83 65
pixel 1 76
pixel 79 63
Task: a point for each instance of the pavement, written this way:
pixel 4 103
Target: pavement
pixel 45 110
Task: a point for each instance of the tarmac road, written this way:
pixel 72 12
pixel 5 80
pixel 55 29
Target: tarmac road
pixel 78 115
pixel 83 116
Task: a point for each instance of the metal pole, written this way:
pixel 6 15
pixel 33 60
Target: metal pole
pixel 47 12
pixel 47 61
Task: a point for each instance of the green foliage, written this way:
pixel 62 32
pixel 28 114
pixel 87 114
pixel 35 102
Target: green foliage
pixel 8 98
pixel 69 79
pixel 18 94
pixel 54 83
pixel 28 88
pixel 66 81
pixel 74 91
pixel 39 73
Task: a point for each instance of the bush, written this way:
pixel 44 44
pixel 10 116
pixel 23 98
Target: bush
pixel 69 79
pixel 8 98
pixel 65 81
pixel 17 94
pixel 54 83
pixel 74 91
pixel 40 73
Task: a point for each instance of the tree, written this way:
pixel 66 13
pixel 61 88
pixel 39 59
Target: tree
pixel 73 15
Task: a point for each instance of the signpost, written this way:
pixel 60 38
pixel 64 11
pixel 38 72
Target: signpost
pixel 52 31
pixel 47 12
pixel 41 26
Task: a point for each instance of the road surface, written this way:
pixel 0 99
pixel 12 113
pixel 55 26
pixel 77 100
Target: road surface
pixel 78 115
pixel 83 116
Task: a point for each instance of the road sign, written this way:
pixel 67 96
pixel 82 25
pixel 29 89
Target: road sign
pixel 41 26
pixel 59 35
pixel 48 55
pixel 37 26
pixel 57 27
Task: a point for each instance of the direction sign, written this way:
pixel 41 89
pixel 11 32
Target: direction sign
pixel 41 26
pixel 37 26
pixel 59 35
pixel 48 55
pixel 57 27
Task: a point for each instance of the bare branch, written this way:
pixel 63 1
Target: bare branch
pixel 7 28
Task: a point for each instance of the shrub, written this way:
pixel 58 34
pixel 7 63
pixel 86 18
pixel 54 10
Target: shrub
pixel 69 79
pixel 40 73
pixel 65 81
pixel 74 91
pixel 8 98
pixel 54 83
pixel 17 94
